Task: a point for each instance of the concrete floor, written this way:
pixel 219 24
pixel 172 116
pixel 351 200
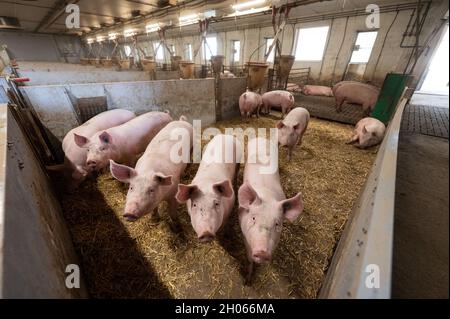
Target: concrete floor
pixel 436 100
pixel 421 228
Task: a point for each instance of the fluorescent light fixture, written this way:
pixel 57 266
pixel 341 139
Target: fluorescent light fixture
pixel 100 38
pixel 189 17
pixel 90 40
pixel 249 11
pixel 247 4
pixel 112 35
pixel 129 32
pixel 151 27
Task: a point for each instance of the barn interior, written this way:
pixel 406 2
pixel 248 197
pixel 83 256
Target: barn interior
pixel 378 211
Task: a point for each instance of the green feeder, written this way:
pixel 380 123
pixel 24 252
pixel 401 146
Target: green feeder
pixel 393 86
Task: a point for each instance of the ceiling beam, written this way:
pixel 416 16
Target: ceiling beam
pixel 54 13
pixel 143 2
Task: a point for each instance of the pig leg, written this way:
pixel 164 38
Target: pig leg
pixel 249 275
pixel 236 173
pixel 290 149
pixel 175 222
pixel 339 102
pixel 366 109
pixel 257 112
pixel 155 218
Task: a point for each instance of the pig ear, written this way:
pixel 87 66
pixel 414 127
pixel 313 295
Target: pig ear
pixel 80 140
pixel 223 188
pixel 364 130
pixel 280 125
pixel 354 140
pixel 185 192
pixel 163 179
pixel 122 173
pixel 247 196
pixel 105 137
pixel 292 207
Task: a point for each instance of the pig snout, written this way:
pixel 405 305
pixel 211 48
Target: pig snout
pixel 261 256
pixel 92 164
pixel 206 236
pixel 131 213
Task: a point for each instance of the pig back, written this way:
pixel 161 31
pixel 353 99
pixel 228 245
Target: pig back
pixel 100 122
pixel 259 173
pixel 158 151
pixel 357 93
pixel 219 159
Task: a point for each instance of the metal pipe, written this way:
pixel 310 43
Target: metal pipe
pixel 382 46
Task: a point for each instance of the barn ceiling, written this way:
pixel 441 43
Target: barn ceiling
pixel 48 16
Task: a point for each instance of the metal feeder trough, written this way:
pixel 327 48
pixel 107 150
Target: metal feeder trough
pixel 256 74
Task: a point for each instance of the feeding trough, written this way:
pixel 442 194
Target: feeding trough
pixel 175 62
pixel 125 63
pixel 217 63
pixel 187 69
pixel 256 73
pixel 284 65
pixel 115 60
pixel 106 62
pixel 148 64
pixel 84 61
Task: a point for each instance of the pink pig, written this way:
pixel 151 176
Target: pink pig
pixel 123 143
pixel 210 196
pixel 283 100
pixel 339 84
pixel 292 128
pixel 74 167
pixel 157 173
pixel 317 90
pixel 368 132
pixel 263 206
pixel 249 103
pixel 356 93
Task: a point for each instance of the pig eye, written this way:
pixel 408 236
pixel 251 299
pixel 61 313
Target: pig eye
pixel 151 191
pixel 131 188
pixel 194 205
pixel 254 218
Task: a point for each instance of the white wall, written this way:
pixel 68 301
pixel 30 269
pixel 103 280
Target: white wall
pixel 391 58
pixel 41 47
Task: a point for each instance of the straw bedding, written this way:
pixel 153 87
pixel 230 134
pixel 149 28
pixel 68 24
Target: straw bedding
pixel 146 259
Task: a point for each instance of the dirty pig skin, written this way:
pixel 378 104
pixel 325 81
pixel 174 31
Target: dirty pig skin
pixel 186 309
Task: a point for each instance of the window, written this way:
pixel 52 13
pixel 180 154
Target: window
pixel 311 43
pixel 363 47
pixel 211 47
pixel 127 49
pixel 236 51
pixel 271 57
pixel 172 48
pixel 159 51
pixel 188 51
